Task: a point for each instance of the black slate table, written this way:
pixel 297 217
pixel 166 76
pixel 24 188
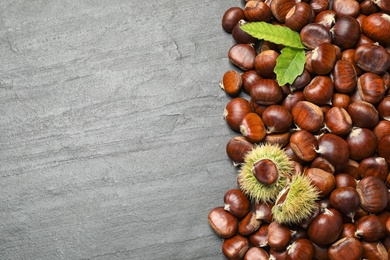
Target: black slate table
pixel 112 139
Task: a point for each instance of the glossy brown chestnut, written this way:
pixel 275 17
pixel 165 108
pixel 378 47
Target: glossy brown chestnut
pixel 252 128
pixel 362 143
pixel 363 114
pixel 240 36
pixel 319 5
pixel 257 11
pixel 382 128
pixel 345 200
pixel 265 63
pixel 279 236
pixel 248 78
pixel 299 15
pixel 231 82
pixel 323 164
pixel 249 224
pixel 313 34
pixel 369 228
pixel 320 90
pixel 236 202
pixel 349 55
pixel 346 248
pixel 341 100
pixel 334 149
pixel 371 87
pixel 277 119
pixel 236 149
pixel 234 248
pixel 324 181
pixel 280 8
pixel 374 250
pixel 374 166
pixel 376 26
pixel 222 222
pixel 281 139
pixel 235 111
pixel 372 58
pixel 255 253
pixel 349 230
pixel 266 92
pixel 265 171
pixel 243 56
pixel 305 110
pixel 384 108
pixel 346 8
pixel 301 248
pixel 291 99
pixel 368 7
pixel 344 76
pixel 231 18
pixel 326 227
pixel 326 17
pixel 338 121
pixel 345 180
pixel 345 32
pixel 260 237
pixel 373 194
pixel 304 144
pixel 301 81
pixel 384 147
pixel 263 211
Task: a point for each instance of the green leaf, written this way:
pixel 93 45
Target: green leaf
pixel 289 65
pixel 274 33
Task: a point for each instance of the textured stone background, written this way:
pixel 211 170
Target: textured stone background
pixel 112 140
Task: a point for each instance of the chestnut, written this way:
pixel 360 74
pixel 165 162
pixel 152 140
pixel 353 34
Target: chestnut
pixel 236 202
pixel 236 149
pixel 368 7
pixel 322 180
pixel 243 56
pixel 383 108
pixel 249 224
pixel 281 139
pixel 265 63
pixel 363 114
pixel 369 228
pixel 382 128
pixel 240 36
pixel 263 211
pixel 260 237
pixel 320 89
pixel 372 58
pixel 222 222
pixel 346 248
pixel 235 111
pixel 346 8
pixel 384 148
pixel 376 26
pixel 344 76
pixel 248 78
pixel 345 32
pixel 304 145
pixel 257 11
pixel 374 250
pixel 301 81
pixel 301 248
pixel 326 227
pixel 234 248
pixel 345 180
pixel 252 128
pixel 280 8
pixel 277 119
pixel 231 82
pixel 374 166
pixel 265 171
pixel 371 87
pixel 341 100
pixel 231 17
pixel 299 15
pixel 373 194
pixel 255 253
pixel 319 5
pixel 293 98
pixel 323 164
pixel 302 111
pixel 334 149
pixel 266 92
pixel 362 143
pixel 345 200
pixel 313 34
pixel 326 17
pixel 338 121
pixel 279 236
pixel 349 230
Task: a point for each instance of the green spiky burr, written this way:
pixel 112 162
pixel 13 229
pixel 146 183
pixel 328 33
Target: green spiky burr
pixel 296 202
pixel 250 185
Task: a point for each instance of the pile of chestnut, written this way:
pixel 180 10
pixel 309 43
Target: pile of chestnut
pixel 333 121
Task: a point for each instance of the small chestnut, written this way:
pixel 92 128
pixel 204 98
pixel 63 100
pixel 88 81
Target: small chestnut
pixel 234 248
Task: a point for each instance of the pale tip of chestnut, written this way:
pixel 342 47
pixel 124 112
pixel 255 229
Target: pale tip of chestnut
pixel 225 113
pixel 226 207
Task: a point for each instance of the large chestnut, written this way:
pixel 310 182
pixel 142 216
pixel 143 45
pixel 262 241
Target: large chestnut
pixel 266 92
pixel 345 200
pixel 362 143
pixel 235 111
pixel 222 222
pixel 234 248
pixel 236 202
pixel 346 248
pixel 308 116
pixel 373 194
pixel 372 58
pixel 334 149
pixel 363 114
pixel 377 26
pixel 277 119
pixel 344 76
pixel 326 227
pixel 371 87
pixel 345 32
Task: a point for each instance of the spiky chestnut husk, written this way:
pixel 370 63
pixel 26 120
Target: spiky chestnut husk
pixel 248 183
pixel 296 202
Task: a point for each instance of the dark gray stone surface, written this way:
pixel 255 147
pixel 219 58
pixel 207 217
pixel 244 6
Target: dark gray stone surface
pixel 112 140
